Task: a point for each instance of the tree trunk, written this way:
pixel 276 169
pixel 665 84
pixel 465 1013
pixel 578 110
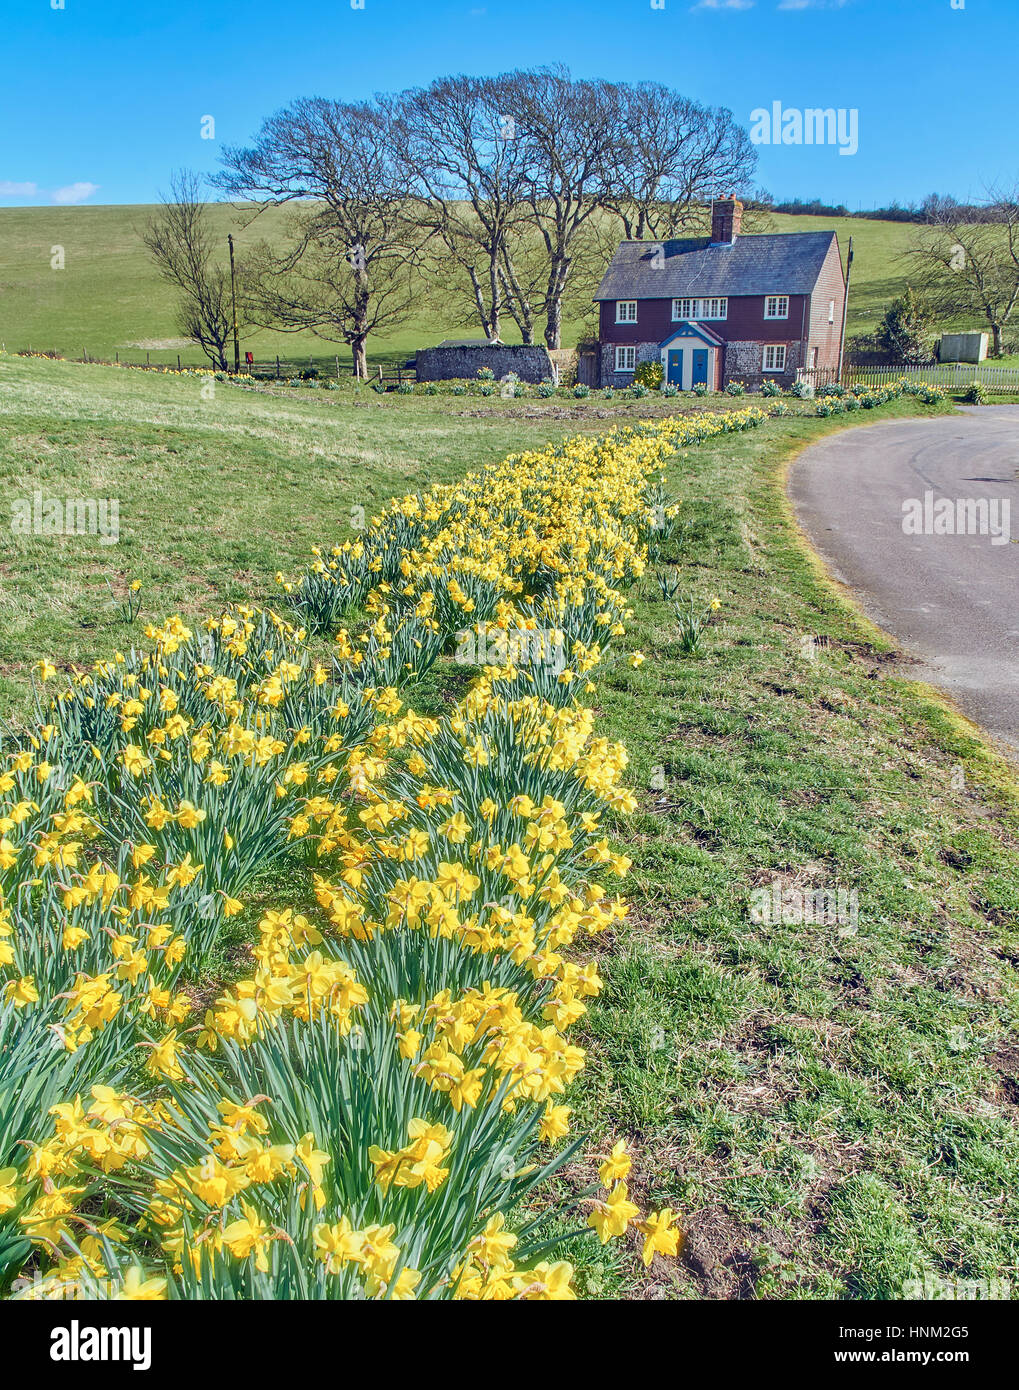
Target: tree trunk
pixel 996 339
pixel 554 321
pixel 496 301
pixel 358 347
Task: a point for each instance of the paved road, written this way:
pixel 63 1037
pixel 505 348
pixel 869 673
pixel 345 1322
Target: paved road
pixel 950 599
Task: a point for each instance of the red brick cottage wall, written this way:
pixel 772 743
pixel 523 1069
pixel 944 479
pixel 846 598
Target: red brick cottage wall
pixel 826 336
pixel 745 332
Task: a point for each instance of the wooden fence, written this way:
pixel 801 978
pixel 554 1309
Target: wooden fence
pixel 954 375
pixel 280 368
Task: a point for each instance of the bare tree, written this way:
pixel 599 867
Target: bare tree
pixel 967 267
pixel 182 243
pixel 568 130
pixel 672 154
pixel 346 271
pixel 466 177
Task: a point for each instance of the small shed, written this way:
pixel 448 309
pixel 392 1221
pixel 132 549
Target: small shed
pixel 463 358
pixel 963 347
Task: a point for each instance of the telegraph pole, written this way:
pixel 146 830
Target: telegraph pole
pixel 233 299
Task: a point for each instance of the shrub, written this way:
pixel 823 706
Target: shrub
pixel 487 388
pixel 405 388
pixel 700 389
pixel 432 388
pixel 546 389
pixel 608 393
pixel 780 408
pixel 735 388
pixel 771 388
pixel 975 393
pixel 801 389
pixel 309 374
pixel 906 332
pixel 648 374
pixel 458 389
pixel 638 390
pixel 670 389
pixel 486 374
pixel 581 391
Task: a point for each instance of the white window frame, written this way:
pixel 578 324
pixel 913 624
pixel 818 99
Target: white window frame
pixel 831 311
pixel 781 303
pixel 623 311
pixel 778 359
pixel 622 350
pixel 716 307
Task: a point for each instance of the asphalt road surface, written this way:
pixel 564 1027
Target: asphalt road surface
pixel 949 594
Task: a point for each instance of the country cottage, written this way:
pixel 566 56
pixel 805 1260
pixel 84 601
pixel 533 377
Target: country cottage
pixel 722 308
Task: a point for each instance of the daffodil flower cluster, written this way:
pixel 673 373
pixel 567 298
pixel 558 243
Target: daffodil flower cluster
pixel 367 1111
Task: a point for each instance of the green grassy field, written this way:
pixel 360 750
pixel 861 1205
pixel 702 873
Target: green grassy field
pixel 109 299
pixel 831 1110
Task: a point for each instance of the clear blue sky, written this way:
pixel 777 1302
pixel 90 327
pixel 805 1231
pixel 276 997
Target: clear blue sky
pixel 104 97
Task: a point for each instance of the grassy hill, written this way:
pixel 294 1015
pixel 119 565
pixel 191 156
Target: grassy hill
pixel 109 299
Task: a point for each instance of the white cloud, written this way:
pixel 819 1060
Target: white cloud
pixel 73 193
pixel 724 5
pixel 8 189
pixel 812 4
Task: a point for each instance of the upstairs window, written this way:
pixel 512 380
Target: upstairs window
pixel 773 359
pixel 626 311
pixel 717 308
pixel 626 358
pixel 776 306
pixel 831 311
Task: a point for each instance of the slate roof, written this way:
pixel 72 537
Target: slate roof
pixel 773 263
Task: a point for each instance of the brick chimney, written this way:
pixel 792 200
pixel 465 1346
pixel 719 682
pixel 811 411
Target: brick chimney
pixel 726 220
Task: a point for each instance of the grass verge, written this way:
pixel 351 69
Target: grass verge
pixel 831 1104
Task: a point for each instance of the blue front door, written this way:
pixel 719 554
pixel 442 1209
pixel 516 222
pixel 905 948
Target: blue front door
pixel 700 367
pixel 676 366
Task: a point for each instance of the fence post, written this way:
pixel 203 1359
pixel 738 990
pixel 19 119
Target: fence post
pixel 147 363
pixel 178 361
pixel 337 366
pixel 277 366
